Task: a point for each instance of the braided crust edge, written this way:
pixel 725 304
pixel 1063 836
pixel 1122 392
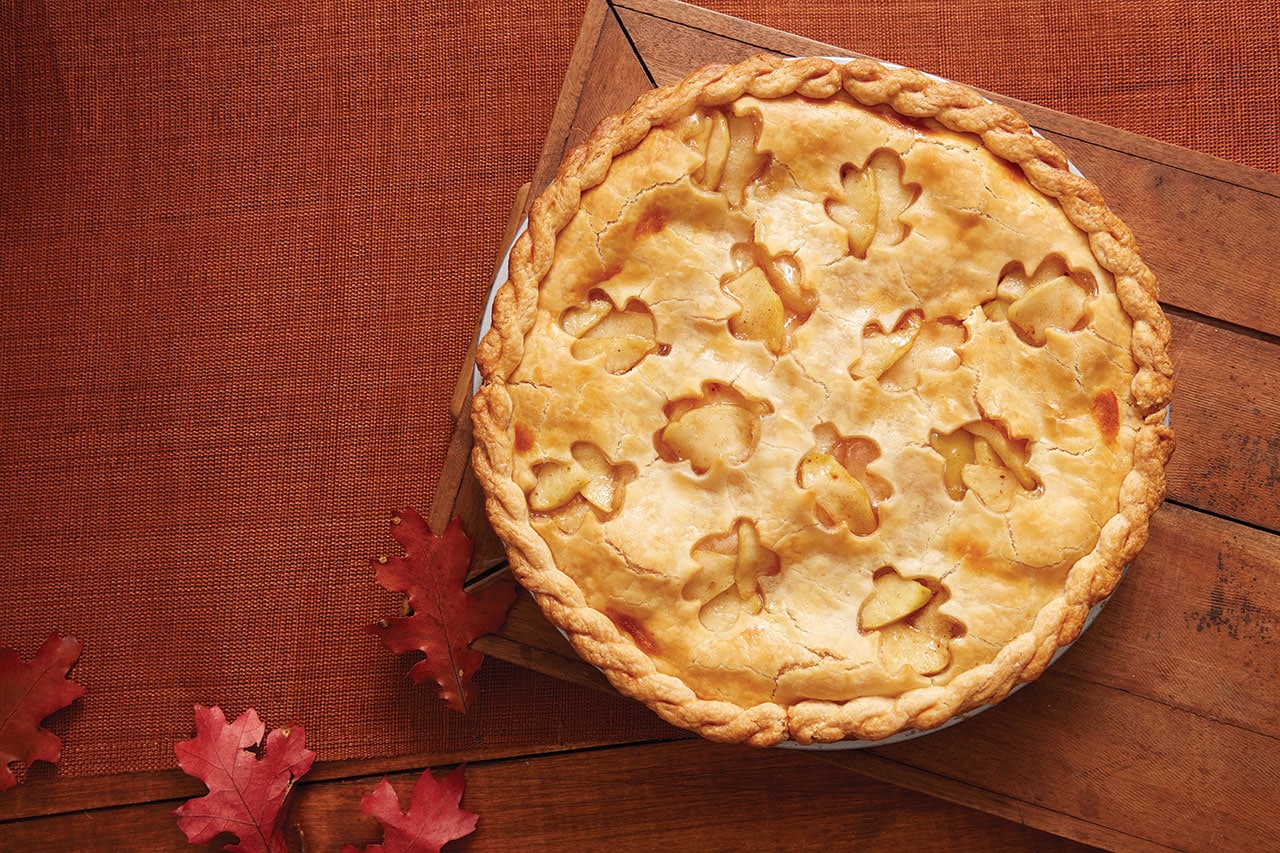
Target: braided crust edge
pixel 1094 576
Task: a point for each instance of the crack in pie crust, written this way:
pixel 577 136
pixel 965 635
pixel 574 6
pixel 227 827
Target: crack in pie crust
pixel 823 401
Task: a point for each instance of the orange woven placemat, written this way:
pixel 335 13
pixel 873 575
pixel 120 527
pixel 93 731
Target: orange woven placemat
pixel 242 250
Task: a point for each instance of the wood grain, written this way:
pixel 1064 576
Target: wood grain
pixel 1195 625
pixel 1226 413
pixel 554 804
pixel 616 77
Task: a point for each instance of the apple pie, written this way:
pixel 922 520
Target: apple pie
pixel 823 401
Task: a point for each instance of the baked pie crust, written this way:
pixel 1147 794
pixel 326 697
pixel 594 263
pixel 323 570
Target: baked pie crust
pixel 823 402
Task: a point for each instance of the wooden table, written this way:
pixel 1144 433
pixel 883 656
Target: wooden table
pixel 1160 729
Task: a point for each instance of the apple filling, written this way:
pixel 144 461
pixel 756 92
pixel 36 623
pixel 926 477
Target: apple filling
pixel 845 493
pixel 896 358
pixel 1052 297
pixel 873 201
pixel 586 481
pixel 912 633
pixel 980 456
pixel 728 581
pixel 773 296
pixel 721 426
pixel 622 337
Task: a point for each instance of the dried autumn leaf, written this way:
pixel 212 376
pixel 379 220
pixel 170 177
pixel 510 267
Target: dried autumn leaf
pixel 433 819
pixel 445 618
pixel 29 692
pixel 247 793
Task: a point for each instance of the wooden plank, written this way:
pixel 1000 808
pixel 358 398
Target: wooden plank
pixel 698 796
pixel 1080 754
pixel 1226 466
pixel 1196 232
pixel 1200 600
pixel 669 41
pixel 1146 682
pixel 529 640
pixel 601 81
pixel 457 462
pixel 50 797
pixel 463 389
pixel 674 38
pixel 686 795
pixel 575 77
pixel 1200 604
pixel 1226 415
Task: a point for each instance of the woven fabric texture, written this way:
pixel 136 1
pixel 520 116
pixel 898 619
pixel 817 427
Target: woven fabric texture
pixel 243 247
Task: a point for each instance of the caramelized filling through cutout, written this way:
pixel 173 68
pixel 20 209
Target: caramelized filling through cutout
pixel 983 457
pixel 920 638
pixel 873 200
pixel 623 337
pixel 772 292
pixel 1053 297
pixel 727 142
pixel 720 425
pixel 845 492
pixel 896 358
pixel 585 482
pixel 728 582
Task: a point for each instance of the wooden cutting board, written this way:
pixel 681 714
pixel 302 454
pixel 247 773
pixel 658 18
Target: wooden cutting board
pixel 1160 728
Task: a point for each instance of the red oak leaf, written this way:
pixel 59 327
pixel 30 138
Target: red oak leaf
pixel 433 819
pixel 29 692
pixel 247 794
pixel 445 618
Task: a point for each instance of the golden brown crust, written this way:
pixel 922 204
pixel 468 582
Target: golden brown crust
pixel 618 646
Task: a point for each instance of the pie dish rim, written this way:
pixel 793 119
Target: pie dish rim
pixel 596 638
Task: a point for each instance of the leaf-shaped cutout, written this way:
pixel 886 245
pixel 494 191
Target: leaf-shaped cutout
pixel 892 598
pixel 936 347
pixel 839 497
pixel 882 349
pixel 872 202
pixel 704 434
pixel 728 582
pixel 558 482
pixel 719 425
pixel 773 294
pixel 754 560
pixel 920 641
pixel 897 358
pixel 721 613
pixel 743 163
pixel 623 338
pixel 994 485
pixel 902 646
pixel 762 317
pixel 1057 304
pixel 587 474
pixel 983 457
pixel 956 450
pixel 714 144
pixel 844 491
pixel 605 481
pixel 1053 297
